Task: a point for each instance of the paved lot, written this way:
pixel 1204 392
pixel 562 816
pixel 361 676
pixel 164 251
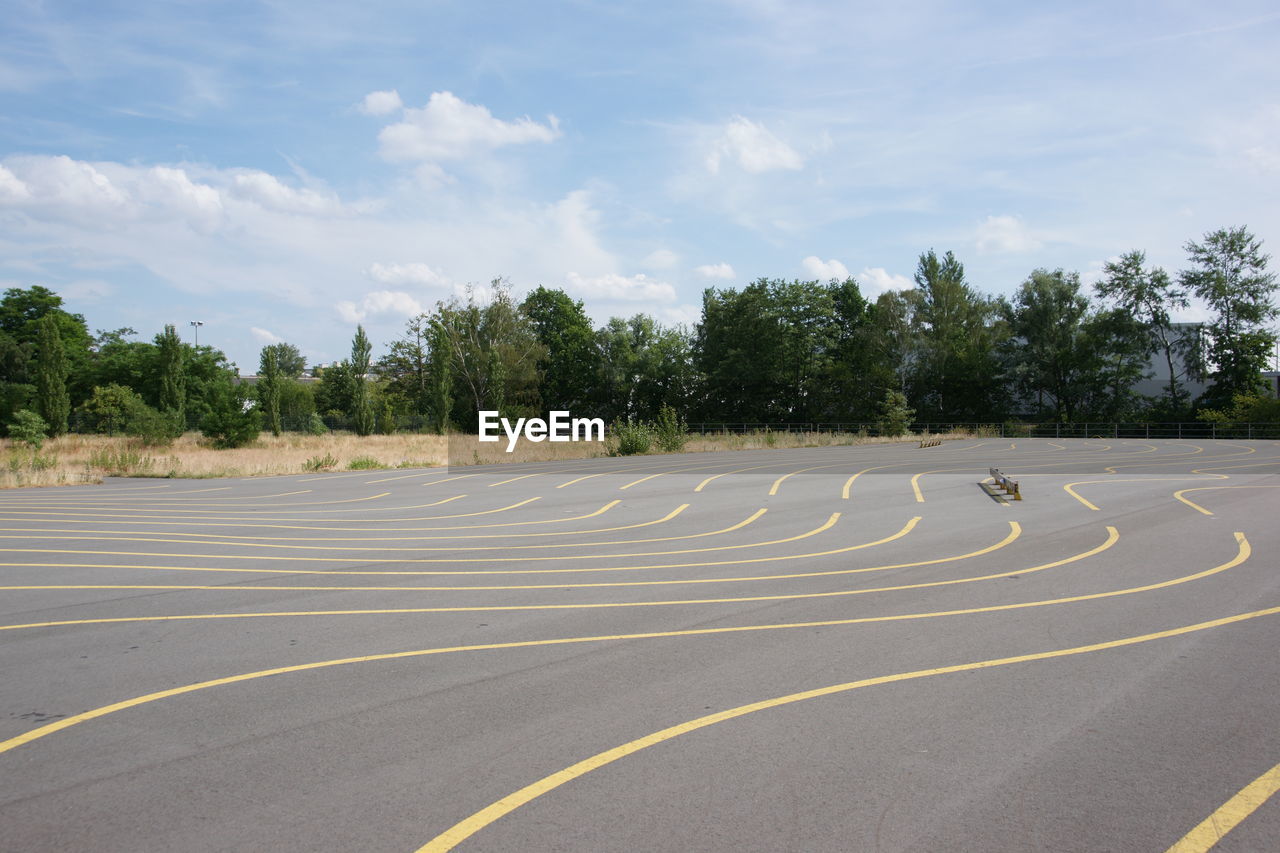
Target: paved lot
pixel 830 649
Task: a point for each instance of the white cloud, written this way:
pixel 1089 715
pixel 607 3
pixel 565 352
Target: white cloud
pixel 12 189
pixel 1005 234
pixel 721 270
pixel 381 103
pixel 825 270
pixel 618 288
pixel 686 314
pixel 661 259
pixel 269 192
pixel 88 290
pixel 449 128
pixel 754 148
pixel 264 336
pixel 379 303
pixel 402 274
pixel 878 280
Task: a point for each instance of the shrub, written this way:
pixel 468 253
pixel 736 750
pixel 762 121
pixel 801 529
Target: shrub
pixel 320 463
pixel 122 462
pixel 29 428
pixel 315 425
pixel 364 463
pixel 630 437
pixel 670 431
pixel 229 422
pixel 386 418
pixel 116 410
pixel 895 414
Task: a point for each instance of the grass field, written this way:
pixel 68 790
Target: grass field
pixel 79 459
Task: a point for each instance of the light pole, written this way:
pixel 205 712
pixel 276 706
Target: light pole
pixel 196 324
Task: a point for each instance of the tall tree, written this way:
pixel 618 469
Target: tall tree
pixel 362 414
pixel 571 361
pixel 440 380
pixel 1051 356
pixel 52 401
pixel 173 392
pixel 406 366
pixel 21 311
pixel 268 388
pixel 1148 295
pixel 1229 272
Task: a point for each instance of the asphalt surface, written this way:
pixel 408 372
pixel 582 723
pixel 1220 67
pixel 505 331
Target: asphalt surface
pixel 827 649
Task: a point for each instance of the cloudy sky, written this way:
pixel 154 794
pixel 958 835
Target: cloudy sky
pixel 284 170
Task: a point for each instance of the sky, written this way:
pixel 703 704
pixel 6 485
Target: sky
pixel 284 171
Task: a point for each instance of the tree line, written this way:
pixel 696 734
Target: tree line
pixel 773 351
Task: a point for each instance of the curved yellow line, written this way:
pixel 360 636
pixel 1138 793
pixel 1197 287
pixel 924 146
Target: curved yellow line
pixel 1179 494
pixel 714 477
pixel 468 827
pixel 1069 488
pixel 76 719
pixel 1206 834
pixel 258 541
pixel 822 528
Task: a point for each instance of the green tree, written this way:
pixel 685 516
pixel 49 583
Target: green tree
pixel 1229 272
pixel 955 374
pixel 333 392
pixel 230 422
pixel 406 366
pixel 173 378
pixel 1051 358
pixel 571 361
pixel 440 380
pixel 289 360
pixel 362 414
pixel 1147 295
pixel 895 414
pixel 52 401
pixel 21 312
pixel 268 389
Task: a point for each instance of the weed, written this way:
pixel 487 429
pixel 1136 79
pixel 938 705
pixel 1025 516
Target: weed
pixel 364 463
pixel 320 463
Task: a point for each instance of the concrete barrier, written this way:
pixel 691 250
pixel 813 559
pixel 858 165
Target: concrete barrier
pixel 1010 486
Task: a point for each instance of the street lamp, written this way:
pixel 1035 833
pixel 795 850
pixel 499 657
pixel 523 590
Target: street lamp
pixel 196 324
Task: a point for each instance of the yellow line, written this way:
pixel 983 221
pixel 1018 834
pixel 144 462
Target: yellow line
pixel 773 490
pixel 221 539
pixel 424 472
pixel 1013 534
pixel 1212 829
pixel 915 486
pixel 521 477
pixel 1179 494
pixel 67 722
pixel 777 559
pixel 1069 487
pixel 701 485
pixel 848 484
pixel 1241 556
pixel 464 829
pixel 672 471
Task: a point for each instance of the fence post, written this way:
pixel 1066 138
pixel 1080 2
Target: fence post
pixel 1214 434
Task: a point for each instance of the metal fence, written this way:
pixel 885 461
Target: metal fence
pixel 1083 429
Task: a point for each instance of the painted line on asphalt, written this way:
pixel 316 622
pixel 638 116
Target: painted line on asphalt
pixel 1206 834
pixel 76 719
pixel 469 826
pixel 1179 494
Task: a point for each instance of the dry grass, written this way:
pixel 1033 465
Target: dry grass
pixel 79 459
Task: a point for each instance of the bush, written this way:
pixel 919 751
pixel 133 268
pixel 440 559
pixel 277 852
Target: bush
pixel 116 410
pixel 230 423
pixel 364 463
pixel 315 425
pixel 630 438
pixel 670 431
pixel 895 414
pixel 386 418
pixel 122 462
pixel 28 427
pixel 320 463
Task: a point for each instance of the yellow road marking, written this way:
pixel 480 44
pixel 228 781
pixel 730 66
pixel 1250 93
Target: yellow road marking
pixel 521 477
pixel 703 484
pixel 1015 530
pixel 1212 829
pixel 422 472
pixel 777 559
pixel 773 490
pixel 1179 494
pixel 67 722
pixel 672 471
pixel 1069 488
pixel 915 486
pixel 468 827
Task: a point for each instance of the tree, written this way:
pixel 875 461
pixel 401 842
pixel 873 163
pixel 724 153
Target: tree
pixel 570 362
pixel 362 415
pixel 173 380
pixel 1050 355
pixel 406 366
pixel 440 381
pixel 955 374
pixel 21 312
pixel 1147 296
pixel 1229 273
pixel 268 388
pixel 52 401
pixel 230 422
pixel 289 360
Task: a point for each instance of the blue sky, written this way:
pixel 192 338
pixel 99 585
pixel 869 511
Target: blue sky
pixel 282 171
